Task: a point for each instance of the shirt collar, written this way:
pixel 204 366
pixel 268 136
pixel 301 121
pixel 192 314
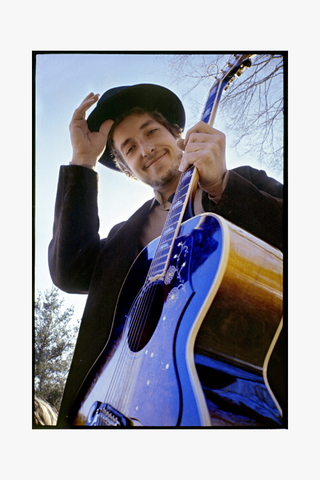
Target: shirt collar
pixel 158 201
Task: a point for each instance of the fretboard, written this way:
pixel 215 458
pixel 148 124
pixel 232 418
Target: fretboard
pixel 158 268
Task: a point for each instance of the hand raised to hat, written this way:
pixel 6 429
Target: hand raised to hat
pixel 87 146
pixel 204 147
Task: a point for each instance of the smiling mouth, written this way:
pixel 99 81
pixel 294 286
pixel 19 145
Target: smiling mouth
pixel 155 160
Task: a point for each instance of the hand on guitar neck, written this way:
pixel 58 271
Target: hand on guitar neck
pixel 204 147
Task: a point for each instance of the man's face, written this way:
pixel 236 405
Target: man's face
pixel 149 150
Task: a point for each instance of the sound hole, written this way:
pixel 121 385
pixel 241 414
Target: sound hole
pixel 145 316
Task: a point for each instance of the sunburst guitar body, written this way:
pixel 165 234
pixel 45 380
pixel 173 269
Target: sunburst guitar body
pixel 207 330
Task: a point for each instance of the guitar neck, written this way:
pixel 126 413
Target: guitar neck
pixel 189 179
pixel 187 184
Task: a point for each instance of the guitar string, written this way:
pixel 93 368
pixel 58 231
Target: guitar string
pixel 132 323
pixel 141 315
pixel 122 372
pixel 121 381
pixel 148 300
pixel 153 269
pixel 137 323
pixel 134 313
pixel 137 314
pixel 115 386
pixel 157 260
pixel 140 322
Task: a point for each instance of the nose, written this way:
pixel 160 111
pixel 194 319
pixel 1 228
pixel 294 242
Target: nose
pixel 146 148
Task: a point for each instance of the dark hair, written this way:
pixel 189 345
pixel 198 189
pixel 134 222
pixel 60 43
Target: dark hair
pixel 118 160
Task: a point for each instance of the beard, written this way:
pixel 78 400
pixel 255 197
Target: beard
pixel 170 175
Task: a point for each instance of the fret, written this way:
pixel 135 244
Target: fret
pixel 179 201
pixel 172 220
pixel 208 107
pixel 185 179
pixel 167 238
pixel 160 255
pixel 164 245
pixel 176 205
pixel 176 214
pixel 168 230
pixel 158 266
pixel 160 261
pixel 157 270
pixel 179 193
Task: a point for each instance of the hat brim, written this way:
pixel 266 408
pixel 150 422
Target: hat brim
pixel 148 96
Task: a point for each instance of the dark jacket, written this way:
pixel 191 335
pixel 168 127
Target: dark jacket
pixel 80 262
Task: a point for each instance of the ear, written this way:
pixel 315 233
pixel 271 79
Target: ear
pixel 180 143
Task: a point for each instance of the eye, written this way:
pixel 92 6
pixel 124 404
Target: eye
pixel 152 131
pixel 130 150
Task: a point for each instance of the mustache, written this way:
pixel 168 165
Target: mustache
pixel 158 155
pixel 155 157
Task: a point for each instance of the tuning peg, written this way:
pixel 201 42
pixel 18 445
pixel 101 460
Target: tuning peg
pixel 228 84
pixel 247 63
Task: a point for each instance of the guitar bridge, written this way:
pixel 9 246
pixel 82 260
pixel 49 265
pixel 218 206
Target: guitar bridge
pixel 104 415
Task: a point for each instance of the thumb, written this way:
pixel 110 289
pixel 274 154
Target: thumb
pixel 106 127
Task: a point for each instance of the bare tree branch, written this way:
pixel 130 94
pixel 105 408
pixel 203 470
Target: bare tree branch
pixel 252 107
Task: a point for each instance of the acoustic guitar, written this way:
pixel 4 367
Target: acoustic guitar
pixel 196 323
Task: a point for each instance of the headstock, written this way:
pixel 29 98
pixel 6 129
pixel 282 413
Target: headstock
pixel 233 68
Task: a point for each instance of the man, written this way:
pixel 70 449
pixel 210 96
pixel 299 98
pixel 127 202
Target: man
pixel 137 129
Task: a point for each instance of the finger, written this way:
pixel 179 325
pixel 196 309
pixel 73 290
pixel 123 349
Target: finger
pixel 200 138
pixel 192 158
pixel 80 112
pixel 201 128
pixel 214 143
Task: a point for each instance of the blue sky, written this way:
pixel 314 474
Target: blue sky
pixel 62 81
